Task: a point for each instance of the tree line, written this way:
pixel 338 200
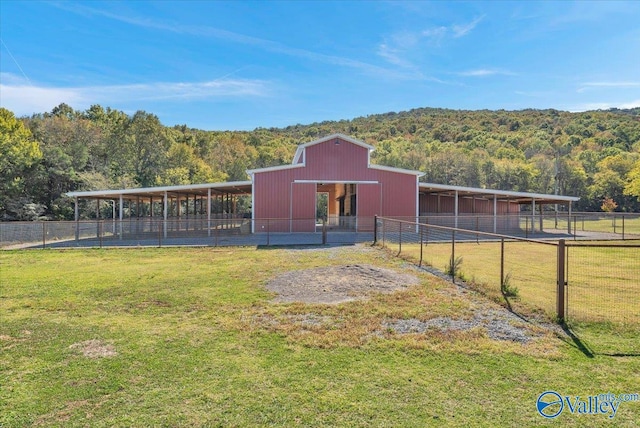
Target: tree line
pixel 594 155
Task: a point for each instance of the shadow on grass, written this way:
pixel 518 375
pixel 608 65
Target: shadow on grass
pixel 577 342
pixel 509 307
pixel 303 246
pixel 591 349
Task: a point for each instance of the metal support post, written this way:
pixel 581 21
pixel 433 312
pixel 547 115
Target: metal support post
pixel 561 281
pixel 421 241
pixel 375 229
pixel 501 263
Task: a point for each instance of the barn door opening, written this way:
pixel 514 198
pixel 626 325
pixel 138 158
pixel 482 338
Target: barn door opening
pixel 348 203
pixel 322 208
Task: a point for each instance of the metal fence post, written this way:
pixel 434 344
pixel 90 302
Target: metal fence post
pixel 324 232
pixel 453 256
pixel 384 232
pixel 44 235
pixel 502 263
pixel 375 229
pixel 100 232
pixel 623 227
pixel 421 240
pixel 400 239
pixel 561 280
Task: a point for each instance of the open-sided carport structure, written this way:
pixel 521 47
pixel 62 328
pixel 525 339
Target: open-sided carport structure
pixel 497 207
pixel 334 172
pixel 206 202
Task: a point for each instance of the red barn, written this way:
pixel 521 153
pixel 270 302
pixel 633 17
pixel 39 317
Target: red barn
pixel 330 178
pixel 338 169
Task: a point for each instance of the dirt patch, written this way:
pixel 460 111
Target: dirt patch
pixel 94 348
pixel 499 325
pixel 338 284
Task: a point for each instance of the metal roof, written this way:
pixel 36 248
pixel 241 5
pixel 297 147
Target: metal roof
pixel 245 187
pixel 232 187
pixel 519 197
pixel 299 160
pixel 302 147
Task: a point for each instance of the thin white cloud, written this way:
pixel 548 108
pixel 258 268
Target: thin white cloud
pixel 608 84
pixel 217 33
pixel 395 48
pixel 591 11
pixel 436 35
pixel 24 99
pixel 605 105
pixel 464 29
pixel 392 55
pixel 436 32
pixel 631 104
pixel 484 72
pixel 534 94
pixel 613 84
pixel 399 48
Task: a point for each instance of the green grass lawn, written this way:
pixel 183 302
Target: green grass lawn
pixel 601 280
pixel 606 225
pixel 198 342
pixel 603 292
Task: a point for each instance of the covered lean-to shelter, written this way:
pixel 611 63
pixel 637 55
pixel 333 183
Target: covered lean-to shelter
pixel 332 179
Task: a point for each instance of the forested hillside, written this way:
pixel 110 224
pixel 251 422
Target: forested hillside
pixel 594 155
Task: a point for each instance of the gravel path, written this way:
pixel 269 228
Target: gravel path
pixel 500 325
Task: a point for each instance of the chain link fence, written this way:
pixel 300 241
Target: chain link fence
pixel 178 232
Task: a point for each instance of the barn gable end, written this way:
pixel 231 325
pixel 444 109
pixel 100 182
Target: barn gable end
pixel 339 167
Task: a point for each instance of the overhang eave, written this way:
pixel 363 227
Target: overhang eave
pixel 489 194
pixel 145 194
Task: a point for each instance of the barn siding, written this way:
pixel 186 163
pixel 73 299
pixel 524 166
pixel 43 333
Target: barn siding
pixel 369 205
pixel 327 161
pixel 303 207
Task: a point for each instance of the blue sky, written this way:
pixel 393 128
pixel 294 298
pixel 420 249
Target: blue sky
pixel 241 65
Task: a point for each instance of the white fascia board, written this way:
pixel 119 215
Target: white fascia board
pixel 274 168
pixel 180 188
pixel 299 154
pixel 399 170
pixel 431 186
pixel 337 181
